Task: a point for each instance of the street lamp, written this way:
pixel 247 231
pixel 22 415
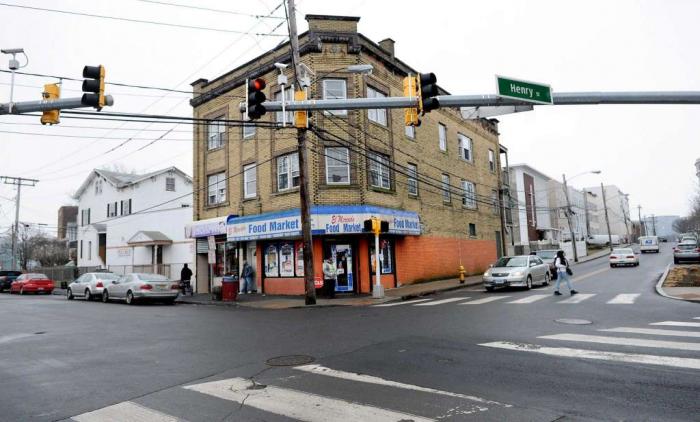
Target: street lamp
pixel 568 208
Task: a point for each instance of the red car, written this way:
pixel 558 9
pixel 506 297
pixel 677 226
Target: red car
pixel 32 283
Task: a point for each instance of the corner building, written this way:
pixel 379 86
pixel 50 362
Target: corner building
pixel 437 184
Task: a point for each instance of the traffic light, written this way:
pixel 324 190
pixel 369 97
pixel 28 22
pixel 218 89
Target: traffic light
pixel 301 118
pixel 94 84
pixel 427 91
pixel 255 97
pixel 52 92
pixel 410 89
pixel 376 226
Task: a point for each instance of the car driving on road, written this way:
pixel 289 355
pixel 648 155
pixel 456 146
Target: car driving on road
pixel 686 252
pixel 623 256
pixel 516 271
pixel 137 287
pixel 648 244
pixel 90 285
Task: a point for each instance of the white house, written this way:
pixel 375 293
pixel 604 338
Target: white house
pixel 135 222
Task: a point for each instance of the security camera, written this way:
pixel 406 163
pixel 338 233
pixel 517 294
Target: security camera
pixel 281 66
pixel 12 50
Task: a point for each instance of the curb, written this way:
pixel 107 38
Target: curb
pixel 434 291
pixel 660 290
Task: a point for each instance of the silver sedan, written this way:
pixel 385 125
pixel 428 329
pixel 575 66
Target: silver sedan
pixel 141 287
pixel 517 271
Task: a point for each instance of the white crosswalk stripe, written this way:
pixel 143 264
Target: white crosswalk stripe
pixel 578 298
pixel 624 341
pixel 484 300
pixel 406 302
pixel 443 301
pixel 125 412
pixel 624 299
pixel 677 323
pixel 653 331
pixel 530 299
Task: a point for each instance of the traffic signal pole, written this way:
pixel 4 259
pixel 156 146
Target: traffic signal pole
pixel 42 105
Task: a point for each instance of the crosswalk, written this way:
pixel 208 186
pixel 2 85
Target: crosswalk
pixel 618 299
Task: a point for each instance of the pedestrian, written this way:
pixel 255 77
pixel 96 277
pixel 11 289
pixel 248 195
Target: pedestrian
pixel 329 275
pixel 247 274
pixel 186 279
pixel 563 272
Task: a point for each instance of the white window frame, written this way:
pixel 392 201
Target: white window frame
pixel 410 131
pixel 379 170
pixel 468 194
pixel 125 207
pixel 342 165
pixel 168 184
pixel 494 200
pixel 288 165
pixel 216 188
pixel 466 150
pixel 216 131
pixel 248 129
pixel 442 137
pixel 446 194
pixel 288 96
pixel 376 115
pixel 412 179
pixel 250 181
pixel 492 160
pixel 326 96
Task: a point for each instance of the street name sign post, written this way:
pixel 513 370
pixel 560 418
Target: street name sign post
pixel 524 90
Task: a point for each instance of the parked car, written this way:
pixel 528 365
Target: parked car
pixel 6 279
pixel 516 271
pixel 548 256
pixel 688 251
pixel 32 283
pixel 648 244
pixel 90 285
pixel 623 256
pixel 141 287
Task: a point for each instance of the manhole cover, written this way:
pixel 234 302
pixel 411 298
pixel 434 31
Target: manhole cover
pixel 290 360
pixel 573 321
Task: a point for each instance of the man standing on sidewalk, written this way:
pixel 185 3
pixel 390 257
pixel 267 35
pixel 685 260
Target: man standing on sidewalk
pixel 329 275
pixel 186 279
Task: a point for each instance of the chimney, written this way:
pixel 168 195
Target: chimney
pixel 329 23
pixel 388 45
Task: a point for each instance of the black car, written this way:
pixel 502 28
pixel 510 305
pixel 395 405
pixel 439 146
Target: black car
pixel 6 279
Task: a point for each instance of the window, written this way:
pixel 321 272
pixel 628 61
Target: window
pixel 494 201
pixel 469 194
pixel 379 175
pixel 442 136
pixel 216 188
pixel 98 187
pixel 337 166
pixel 125 206
pixel 85 217
pixel 216 132
pixel 250 181
pixel 377 115
pixel 89 250
pixel 492 160
pixel 288 96
pixel 410 131
pixel 287 171
pixel 111 209
pixel 335 89
pixel 445 188
pixel 170 184
pixel 472 230
pixel 465 147
pixel 248 128
pixel 412 179
pixel 385 257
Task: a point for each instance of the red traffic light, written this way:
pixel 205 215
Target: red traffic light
pixel 258 84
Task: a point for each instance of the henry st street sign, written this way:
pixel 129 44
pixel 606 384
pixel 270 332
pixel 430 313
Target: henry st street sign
pixel 524 90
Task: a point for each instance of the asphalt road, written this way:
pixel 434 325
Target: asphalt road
pixel 463 355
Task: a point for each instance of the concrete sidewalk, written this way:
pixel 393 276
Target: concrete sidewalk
pixel 690 294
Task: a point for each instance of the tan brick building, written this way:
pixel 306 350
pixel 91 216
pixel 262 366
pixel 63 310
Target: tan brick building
pixel 437 184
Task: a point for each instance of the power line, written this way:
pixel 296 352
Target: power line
pixel 87 137
pixel 208 9
pixel 62 126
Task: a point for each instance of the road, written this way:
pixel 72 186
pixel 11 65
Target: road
pixel 463 355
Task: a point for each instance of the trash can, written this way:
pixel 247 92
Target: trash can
pixel 229 288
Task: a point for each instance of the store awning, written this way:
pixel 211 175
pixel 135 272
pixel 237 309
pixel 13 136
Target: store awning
pixel 149 238
pixel 209 227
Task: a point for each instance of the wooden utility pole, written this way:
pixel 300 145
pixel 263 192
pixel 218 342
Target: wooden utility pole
pixel 641 223
pixel 19 182
pixel 607 220
pixel 568 218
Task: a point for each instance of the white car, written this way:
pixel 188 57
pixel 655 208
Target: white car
pixel 142 287
pixel 648 244
pixel 623 256
pixel 90 285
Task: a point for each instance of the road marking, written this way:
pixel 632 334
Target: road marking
pixel 405 302
pixel 296 404
pixel 624 299
pixel 598 355
pixel 530 299
pixel 352 376
pixel 653 331
pixel 125 411
pixel 623 341
pixel 677 323
pixel 484 300
pixel 577 298
pixel 443 301
pixel 12 337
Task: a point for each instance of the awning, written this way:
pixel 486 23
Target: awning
pixel 149 238
pixel 209 227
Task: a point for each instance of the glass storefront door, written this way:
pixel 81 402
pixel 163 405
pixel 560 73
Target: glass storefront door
pixel 342 254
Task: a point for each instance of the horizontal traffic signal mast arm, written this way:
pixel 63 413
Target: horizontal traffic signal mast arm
pixel 61 104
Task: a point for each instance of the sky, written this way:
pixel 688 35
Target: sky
pixel 648 151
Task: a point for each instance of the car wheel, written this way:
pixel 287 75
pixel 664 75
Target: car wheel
pixel 546 280
pixel 675 261
pixel 170 302
pixel 88 295
pixel 69 294
pixel 105 296
pixel 129 298
pixel 528 283
pixel 612 266
pixel 489 289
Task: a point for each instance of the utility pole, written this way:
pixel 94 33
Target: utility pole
pixel 585 212
pixel 653 224
pixel 624 218
pixel 641 223
pixel 305 200
pixel 19 182
pixel 607 220
pixel 568 217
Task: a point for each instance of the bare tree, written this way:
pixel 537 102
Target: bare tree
pixel 34 245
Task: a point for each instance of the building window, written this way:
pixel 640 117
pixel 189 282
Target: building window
pixel 85 217
pixel 335 89
pixel 410 131
pixel 288 96
pixel 72 232
pixel 442 136
pixel 468 194
pixel 492 160
pixel 494 201
pixel 445 188
pixel 377 115
pixel 125 207
pixel 337 166
pixel 250 181
pixel 248 128
pixel 170 184
pixel 287 171
pixel 98 187
pixel 465 148
pixel 111 209
pixel 216 188
pixel 472 230
pixel 412 179
pixel 385 257
pixel 216 131
pixel 379 174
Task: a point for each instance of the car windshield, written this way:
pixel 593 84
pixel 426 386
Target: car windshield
pixel 106 276
pixel 547 254
pixel 151 277
pixel 623 252
pixel 512 261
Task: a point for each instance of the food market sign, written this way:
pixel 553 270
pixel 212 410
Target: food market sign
pixel 530 92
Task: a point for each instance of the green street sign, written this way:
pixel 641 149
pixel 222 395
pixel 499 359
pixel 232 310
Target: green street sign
pixel 524 90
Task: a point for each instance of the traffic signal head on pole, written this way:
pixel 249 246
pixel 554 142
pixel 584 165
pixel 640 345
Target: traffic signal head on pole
pixel 52 92
pixel 301 118
pixel 410 89
pixel 376 226
pixel 255 98
pixel 95 85
pixel 427 90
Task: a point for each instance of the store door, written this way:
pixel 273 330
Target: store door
pixel 343 256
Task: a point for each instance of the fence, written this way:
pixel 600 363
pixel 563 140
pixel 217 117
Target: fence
pixel 68 274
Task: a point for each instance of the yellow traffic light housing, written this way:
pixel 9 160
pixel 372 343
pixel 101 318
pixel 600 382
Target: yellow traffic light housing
pixel 52 92
pixel 301 118
pixel 95 84
pixel 410 89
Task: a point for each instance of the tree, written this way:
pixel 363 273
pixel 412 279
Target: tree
pixel 691 223
pixel 34 245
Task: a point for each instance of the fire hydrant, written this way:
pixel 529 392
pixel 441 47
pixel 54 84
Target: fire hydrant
pixel 461 274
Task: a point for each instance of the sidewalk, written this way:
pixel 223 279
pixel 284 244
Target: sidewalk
pixel 690 294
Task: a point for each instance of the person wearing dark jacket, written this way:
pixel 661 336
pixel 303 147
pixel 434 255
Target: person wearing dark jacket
pixel 562 265
pixel 185 279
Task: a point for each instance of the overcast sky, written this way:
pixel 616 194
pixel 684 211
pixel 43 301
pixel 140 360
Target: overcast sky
pixel 648 151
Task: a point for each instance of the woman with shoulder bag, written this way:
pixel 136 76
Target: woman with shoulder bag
pixel 563 272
